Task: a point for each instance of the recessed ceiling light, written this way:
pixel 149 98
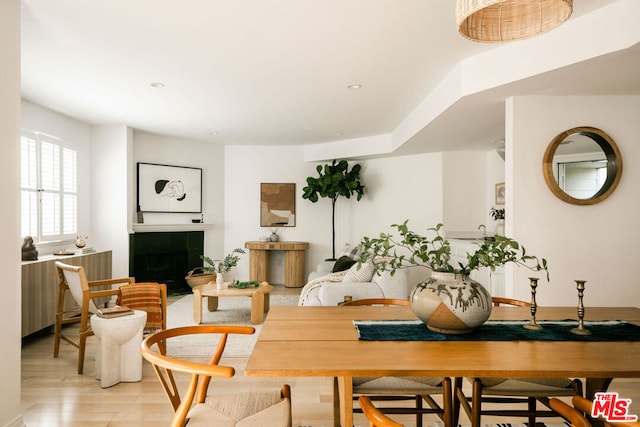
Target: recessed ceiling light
pixel 213 133
pixel 355 86
pixel 157 84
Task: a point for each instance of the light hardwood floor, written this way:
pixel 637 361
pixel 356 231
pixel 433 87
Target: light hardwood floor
pixel 53 394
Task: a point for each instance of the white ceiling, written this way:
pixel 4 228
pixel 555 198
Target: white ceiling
pixel 271 71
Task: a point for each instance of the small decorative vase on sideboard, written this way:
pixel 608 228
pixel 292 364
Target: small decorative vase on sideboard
pixel 451 303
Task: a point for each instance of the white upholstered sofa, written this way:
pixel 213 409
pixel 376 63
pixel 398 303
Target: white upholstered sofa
pixel 328 289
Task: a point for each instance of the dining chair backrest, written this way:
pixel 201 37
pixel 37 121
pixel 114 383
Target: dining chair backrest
pixel 498 301
pixel 378 301
pixel 254 403
pixel 584 405
pixel 569 413
pixel 374 415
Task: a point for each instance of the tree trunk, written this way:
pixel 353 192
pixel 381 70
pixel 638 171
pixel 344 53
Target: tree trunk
pixel 333 228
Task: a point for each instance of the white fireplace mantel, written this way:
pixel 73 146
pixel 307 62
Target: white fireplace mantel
pixel 152 228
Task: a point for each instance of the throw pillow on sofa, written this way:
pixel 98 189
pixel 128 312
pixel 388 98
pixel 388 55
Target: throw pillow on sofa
pixel 351 251
pixel 343 263
pixel 362 274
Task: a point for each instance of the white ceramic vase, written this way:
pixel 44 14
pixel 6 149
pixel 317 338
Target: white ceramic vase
pixel 219 280
pixel 451 303
pixel 500 227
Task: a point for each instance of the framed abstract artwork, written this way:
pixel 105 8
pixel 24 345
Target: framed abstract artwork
pixel 277 205
pixel 165 188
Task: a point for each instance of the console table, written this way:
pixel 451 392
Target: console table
pixel 293 261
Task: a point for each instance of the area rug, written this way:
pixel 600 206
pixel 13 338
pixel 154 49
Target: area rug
pixel 231 311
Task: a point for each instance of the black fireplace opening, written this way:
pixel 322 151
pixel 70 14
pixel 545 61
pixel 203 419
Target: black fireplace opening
pixel 165 257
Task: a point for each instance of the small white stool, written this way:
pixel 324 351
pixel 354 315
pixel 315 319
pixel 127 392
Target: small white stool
pixel 118 355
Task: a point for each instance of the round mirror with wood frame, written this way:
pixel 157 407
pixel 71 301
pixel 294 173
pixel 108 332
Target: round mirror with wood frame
pixel 582 166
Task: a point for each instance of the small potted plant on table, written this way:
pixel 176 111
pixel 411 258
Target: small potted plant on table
pixel 220 267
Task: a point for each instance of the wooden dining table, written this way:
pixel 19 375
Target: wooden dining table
pixel 322 341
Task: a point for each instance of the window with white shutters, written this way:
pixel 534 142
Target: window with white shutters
pixel 49 188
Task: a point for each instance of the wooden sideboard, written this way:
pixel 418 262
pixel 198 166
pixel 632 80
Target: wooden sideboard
pixel 293 261
pixel 40 286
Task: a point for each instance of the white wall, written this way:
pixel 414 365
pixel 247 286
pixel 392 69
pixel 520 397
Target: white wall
pixel 465 176
pixel 245 167
pixel 10 314
pixel 397 188
pixel 596 243
pixel 110 173
pixel 162 149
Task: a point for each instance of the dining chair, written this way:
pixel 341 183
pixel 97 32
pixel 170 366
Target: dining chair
pixel 254 408
pixel 569 413
pixel 73 279
pixel 511 390
pixel 376 417
pixel 584 405
pixel 378 301
pixel 417 389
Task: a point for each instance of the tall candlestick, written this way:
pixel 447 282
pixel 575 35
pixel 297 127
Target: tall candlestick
pixel 533 282
pixel 580 330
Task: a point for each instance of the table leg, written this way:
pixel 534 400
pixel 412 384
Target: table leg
pixel 212 303
pixel 294 269
pixel 197 306
pixel 257 307
pixel 267 302
pixel 336 403
pixel 258 265
pixel 346 400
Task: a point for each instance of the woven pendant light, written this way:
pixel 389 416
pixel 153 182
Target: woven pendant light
pixel 507 20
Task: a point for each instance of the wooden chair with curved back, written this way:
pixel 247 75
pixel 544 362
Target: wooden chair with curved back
pixel 569 413
pixel 418 389
pixel 73 279
pixel 374 415
pixel 584 405
pixel 269 408
pixel 498 301
pixel 379 301
pixel 511 390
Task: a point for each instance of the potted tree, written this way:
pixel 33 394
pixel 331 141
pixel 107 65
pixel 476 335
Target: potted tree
pixel 334 180
pixel 449 301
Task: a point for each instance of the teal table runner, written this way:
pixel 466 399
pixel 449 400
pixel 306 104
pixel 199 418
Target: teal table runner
pixel 498 330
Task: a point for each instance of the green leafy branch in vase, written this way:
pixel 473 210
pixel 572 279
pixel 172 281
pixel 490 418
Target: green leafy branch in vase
pixel 434 252
pixel 222 266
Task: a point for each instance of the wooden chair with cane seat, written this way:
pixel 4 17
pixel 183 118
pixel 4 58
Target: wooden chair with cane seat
pixel 73 279
pixel 417 389
pixel 569 413
pixel 584 405
pixel 511 390
pixel 242 409
pixel 374 415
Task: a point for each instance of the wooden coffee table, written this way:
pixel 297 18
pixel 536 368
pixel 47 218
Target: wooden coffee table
pixel 259 299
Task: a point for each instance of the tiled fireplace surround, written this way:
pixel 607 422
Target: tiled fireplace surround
pixel 165 257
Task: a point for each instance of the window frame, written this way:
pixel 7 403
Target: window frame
pixel 61 187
